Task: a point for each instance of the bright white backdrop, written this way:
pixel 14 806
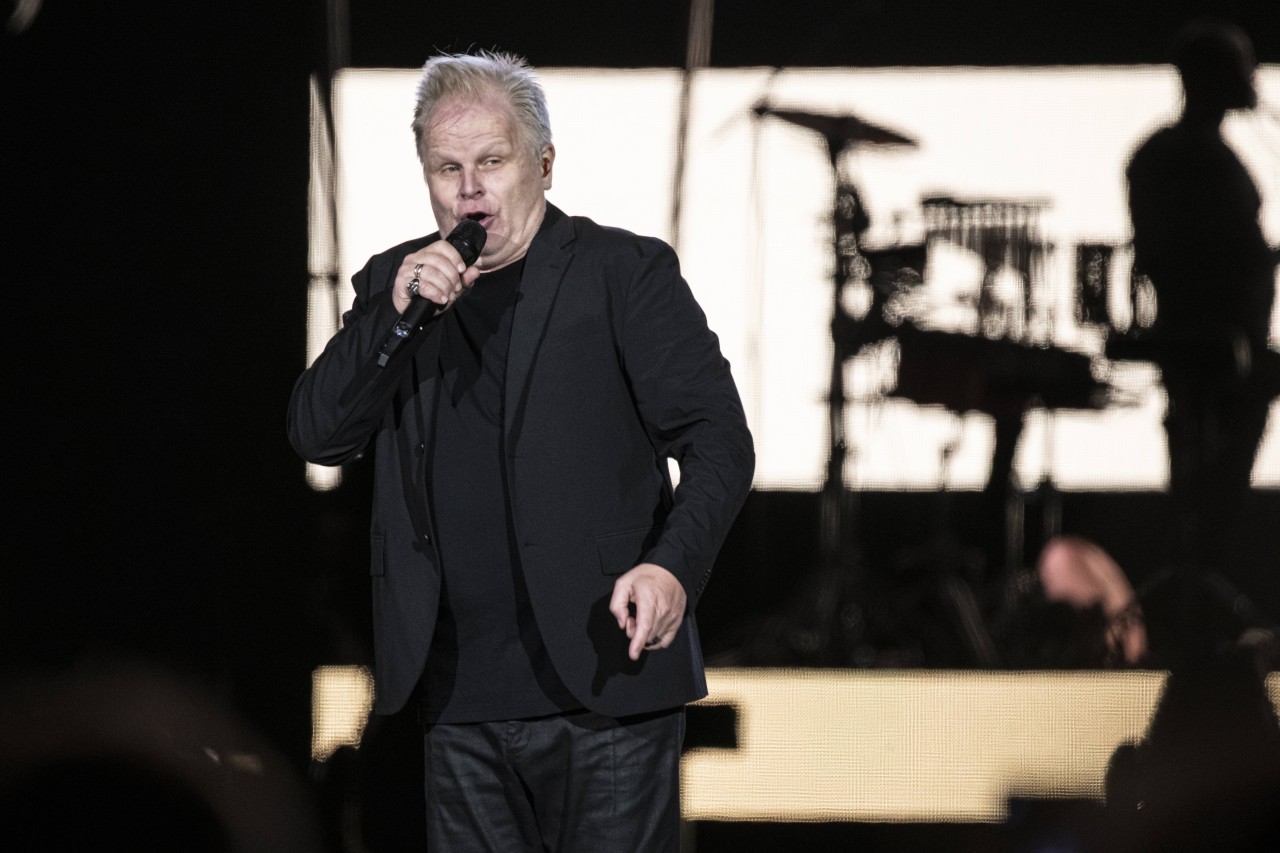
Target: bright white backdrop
pixel 754 233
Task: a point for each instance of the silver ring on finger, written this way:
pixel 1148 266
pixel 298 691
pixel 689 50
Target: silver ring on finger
pixel 413 287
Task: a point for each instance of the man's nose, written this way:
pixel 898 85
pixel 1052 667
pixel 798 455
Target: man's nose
pixel 471 185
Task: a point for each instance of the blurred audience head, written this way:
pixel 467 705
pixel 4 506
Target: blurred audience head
pixel 1079 574
pixel 1197 619
pixel 126 755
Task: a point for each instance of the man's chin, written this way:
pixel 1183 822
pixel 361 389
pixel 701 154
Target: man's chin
pixel 490 261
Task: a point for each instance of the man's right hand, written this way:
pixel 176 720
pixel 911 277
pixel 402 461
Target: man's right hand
pixel 441 275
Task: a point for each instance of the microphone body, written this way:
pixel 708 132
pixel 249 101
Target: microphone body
pixel 468 237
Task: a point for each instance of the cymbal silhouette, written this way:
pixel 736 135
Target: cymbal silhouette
pixel 837 128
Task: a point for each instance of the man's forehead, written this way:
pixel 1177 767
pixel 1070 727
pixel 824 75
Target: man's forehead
pixel 460 122
pixel 492 109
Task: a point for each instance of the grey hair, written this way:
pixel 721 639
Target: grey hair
pixel 476 77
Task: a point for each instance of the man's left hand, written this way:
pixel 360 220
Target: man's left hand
pixel 659 601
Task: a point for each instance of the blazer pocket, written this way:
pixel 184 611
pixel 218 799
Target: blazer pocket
pixel 377 555
pixel 620 552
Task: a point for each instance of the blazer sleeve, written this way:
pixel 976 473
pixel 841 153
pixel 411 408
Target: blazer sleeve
pixel 339 401
pixel 687 399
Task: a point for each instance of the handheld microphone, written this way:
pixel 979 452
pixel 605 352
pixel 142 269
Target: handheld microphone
pixel 468 237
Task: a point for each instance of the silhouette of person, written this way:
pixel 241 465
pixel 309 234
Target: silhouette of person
pixel 1196 236
pixel 1206 773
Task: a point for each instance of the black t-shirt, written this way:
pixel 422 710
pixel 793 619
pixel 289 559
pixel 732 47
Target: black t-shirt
pixel 487 659
pixel 1196 234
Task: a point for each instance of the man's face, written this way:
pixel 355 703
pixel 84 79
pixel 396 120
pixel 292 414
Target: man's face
pixel 479 166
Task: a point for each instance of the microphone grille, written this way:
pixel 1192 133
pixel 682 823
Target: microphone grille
pixel 468 238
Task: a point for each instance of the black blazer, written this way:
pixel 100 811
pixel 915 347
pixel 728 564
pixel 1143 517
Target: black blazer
pixel 611 369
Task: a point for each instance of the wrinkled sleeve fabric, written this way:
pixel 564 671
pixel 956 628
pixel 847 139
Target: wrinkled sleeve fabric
pixel 339 401
pixel 686 396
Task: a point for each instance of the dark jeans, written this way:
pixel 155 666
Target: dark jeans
pixel 571 782
pixel 1214 426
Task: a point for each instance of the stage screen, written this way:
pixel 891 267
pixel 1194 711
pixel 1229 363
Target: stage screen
pixel 752 212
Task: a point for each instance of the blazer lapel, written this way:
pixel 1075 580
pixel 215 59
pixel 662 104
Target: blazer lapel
pixel 547 261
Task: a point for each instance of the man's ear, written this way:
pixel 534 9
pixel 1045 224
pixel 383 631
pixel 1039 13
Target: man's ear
pixel 547 162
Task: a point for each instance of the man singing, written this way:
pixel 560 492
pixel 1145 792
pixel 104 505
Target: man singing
pixel 534 573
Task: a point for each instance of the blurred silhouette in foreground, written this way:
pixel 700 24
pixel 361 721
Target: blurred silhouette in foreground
pixel 123 756
pixel 1206 775
pixel 1196 236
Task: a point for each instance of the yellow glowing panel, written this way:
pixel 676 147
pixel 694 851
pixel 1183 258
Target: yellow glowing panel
pixel 341 698
pixel 911 746
pixel 871 746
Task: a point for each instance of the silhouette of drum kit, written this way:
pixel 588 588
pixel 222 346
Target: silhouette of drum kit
pixel 998 369
pixel 1005 235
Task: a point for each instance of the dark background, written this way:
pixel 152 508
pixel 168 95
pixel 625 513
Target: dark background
pixel 154 186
